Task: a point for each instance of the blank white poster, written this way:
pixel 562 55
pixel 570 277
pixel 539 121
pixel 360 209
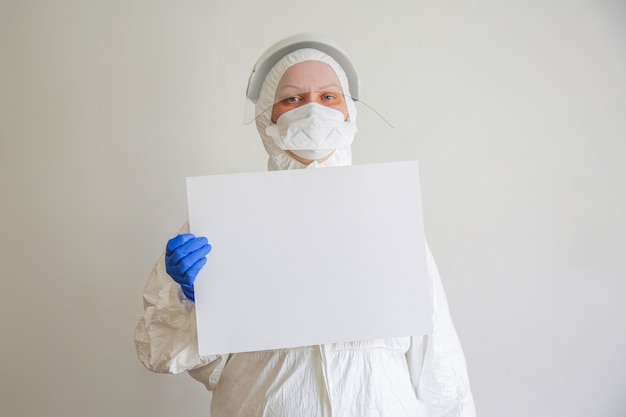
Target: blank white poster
pixel 311 256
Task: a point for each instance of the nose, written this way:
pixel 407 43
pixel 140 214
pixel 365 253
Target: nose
pixel 308 97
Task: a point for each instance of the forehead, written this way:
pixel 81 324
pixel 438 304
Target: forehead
pixel 309 76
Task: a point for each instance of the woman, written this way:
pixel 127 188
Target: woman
pixel 303 90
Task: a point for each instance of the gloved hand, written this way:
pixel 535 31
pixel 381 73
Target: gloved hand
pixel 185 255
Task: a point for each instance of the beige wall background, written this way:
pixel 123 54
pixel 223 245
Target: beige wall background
pixel 516 111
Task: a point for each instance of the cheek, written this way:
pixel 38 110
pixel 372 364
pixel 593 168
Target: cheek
pixel 344 109
pixel 275 114
pixel 277 110
pixel 341 106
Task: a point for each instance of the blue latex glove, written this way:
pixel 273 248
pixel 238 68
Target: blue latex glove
pixel 185 255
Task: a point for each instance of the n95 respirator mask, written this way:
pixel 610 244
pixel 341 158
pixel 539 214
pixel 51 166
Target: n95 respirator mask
pixel 312 131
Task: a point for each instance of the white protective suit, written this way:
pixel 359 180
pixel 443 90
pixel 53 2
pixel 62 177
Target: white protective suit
pixel 424 375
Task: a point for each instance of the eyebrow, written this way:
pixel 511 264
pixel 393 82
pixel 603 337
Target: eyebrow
pixel 323 88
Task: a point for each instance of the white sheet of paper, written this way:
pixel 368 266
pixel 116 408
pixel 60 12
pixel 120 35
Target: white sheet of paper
pixel 310 256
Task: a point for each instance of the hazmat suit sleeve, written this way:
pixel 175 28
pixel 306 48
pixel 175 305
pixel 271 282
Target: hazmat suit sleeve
pixel 436 362
pixel 165 337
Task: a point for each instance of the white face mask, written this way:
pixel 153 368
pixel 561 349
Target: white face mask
pixel 312 131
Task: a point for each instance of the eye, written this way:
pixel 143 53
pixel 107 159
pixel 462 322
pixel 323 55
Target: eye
pixel 292 99
pixel 328 97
